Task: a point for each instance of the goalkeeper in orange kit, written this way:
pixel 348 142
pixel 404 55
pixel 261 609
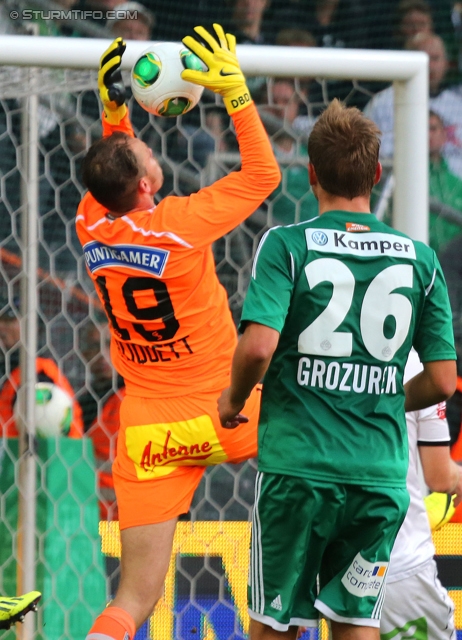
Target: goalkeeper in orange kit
pixel 172 335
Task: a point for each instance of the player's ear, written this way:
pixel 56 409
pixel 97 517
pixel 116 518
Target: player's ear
pixel 312 174
pixel 144 185
pixel 378 173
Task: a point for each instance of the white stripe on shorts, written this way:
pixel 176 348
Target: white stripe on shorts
pixel 377 610
pixel 278 626
pixel 329 613
pixel 256 583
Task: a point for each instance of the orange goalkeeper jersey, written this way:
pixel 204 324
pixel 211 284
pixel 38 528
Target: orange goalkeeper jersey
pixel 172 333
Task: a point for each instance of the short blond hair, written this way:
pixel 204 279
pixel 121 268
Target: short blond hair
pixel 344 150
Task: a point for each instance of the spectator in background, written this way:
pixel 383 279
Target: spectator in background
pixel 444 187
pixel 100 380
pixel 10 375
pixel 332 23
pixel 420 16
pixel 445 101
pixel 247 21
pixel 412 17
pixel 298 38
pixel 128 28
pixel 247 24
pixel 339 23
pixel 293 200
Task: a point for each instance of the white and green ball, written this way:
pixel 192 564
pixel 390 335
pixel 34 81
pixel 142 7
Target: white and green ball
pixel 53 409
pixel 156 80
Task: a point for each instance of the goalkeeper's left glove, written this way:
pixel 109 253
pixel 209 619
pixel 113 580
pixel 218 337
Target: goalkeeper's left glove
pixel 224 75
pixel 110 83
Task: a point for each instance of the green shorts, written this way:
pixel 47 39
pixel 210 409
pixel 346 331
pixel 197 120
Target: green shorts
pixel 305 529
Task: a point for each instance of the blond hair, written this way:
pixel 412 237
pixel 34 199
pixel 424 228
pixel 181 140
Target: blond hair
pixel 344 150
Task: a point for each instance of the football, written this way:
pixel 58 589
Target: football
pixel 156 80
pixel 53 410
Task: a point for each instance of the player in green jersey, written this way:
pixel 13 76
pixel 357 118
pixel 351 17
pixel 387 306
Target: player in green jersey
pixel 333 308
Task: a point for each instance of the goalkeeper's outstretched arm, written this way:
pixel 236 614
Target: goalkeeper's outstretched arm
pixel 217 209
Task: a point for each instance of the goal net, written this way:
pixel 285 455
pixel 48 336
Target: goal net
pixel 49 116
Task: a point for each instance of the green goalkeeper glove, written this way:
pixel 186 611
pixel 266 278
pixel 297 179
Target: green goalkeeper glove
pixel 110 84
pixel 224 75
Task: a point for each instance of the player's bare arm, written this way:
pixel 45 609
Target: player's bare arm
pixel 436 383
pixel 441 473
pixel 251 360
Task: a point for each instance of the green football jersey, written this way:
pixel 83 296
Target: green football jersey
pixel 350 296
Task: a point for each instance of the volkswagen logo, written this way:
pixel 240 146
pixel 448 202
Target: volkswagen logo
pixel 319 237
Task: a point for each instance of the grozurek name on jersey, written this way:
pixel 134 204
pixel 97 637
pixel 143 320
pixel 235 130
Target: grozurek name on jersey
pixel 346 376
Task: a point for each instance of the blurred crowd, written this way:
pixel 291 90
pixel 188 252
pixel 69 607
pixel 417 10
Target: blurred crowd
pixel 201 146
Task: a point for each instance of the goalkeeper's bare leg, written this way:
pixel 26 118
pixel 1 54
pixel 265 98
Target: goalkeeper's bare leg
pixel 145 559
pixel 144 563
pixel 14 609
pixel 146 552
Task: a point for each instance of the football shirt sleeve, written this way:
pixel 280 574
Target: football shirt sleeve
pixel 272 282
pixel 209 214
pixel 433 428
pixel 125 126
pixel 434 339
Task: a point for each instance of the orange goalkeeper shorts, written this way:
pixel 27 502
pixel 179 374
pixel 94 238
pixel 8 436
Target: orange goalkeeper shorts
pixel 164 447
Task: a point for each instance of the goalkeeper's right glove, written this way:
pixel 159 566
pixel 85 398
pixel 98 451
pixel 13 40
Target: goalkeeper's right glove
pixel 110 83
pixel 224 75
